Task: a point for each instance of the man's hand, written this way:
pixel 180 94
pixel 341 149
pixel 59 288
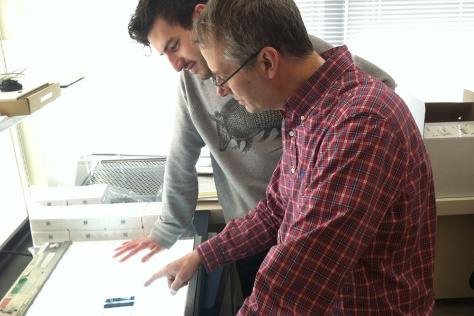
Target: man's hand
pixel 178 272
pixel 135 246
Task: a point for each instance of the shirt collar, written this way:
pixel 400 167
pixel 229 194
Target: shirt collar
pixel 337 61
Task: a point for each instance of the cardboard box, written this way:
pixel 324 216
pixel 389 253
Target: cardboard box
pixel 49 196
pixel 62 196
pixel 124 216
pixel 451 153
pixel 125 234
pixel 100 235
pixel 30 101
pixel 150 215
pixel 89 194
pixel 46 219
pixel 82 218
pixel 54 236
pixel 147 231
pixel 91 217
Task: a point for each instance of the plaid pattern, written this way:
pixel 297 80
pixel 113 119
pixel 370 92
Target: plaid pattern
pixel 350 212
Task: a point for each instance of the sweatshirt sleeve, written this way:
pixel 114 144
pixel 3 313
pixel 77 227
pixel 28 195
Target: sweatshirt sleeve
pixel 320 46
pixel 180 190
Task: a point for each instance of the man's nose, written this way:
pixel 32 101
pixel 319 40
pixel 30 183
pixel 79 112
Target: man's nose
pixel 176 62
pixel 223 92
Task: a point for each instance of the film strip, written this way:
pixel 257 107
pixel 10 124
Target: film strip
pixel 116 302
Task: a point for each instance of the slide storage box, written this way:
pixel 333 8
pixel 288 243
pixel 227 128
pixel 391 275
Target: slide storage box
pixel 449 140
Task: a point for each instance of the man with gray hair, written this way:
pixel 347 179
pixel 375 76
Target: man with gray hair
pixel 349 214
pixel 245 148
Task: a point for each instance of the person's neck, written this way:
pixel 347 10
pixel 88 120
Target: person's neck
pixel 295 74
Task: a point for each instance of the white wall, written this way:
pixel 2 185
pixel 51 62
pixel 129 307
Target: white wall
pixel 432 67
pixel 125 103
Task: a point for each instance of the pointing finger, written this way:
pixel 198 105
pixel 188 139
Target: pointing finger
pixel 154 277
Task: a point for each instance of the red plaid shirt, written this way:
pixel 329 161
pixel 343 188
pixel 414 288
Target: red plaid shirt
pixel 350 212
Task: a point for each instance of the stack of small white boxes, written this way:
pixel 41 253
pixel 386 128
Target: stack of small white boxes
pixel 83 213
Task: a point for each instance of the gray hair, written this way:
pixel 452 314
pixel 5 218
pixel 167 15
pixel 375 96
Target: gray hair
pixel 244 27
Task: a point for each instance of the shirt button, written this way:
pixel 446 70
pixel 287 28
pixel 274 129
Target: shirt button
pixel 303 118
pixel 292 133
pixel 292 170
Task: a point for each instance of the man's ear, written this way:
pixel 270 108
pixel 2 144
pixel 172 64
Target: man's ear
pixel 198 11
pixel 270 58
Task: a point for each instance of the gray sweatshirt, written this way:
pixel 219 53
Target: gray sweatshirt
pixel 245 149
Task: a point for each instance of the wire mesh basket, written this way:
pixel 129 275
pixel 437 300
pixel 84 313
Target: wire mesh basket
pixel 136 179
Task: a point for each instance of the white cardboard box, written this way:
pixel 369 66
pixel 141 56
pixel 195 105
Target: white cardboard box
pixel 86 217
pixel 147 231
pixel 452 156
pixel 39 238
pixel 125 234
pixel 76 195
pixel 49 196
pixel 89 194
pixel 150 215
pixel 90 235
pixel 45 219
pixel 124 216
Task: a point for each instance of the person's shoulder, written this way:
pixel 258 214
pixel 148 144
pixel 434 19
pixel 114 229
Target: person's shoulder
pixel 319 45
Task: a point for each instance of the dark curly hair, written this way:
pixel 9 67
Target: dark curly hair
pixel 172 11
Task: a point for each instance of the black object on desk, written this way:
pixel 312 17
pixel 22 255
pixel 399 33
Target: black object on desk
pixel 213 284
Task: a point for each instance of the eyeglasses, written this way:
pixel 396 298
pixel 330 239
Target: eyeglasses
pixel 221 84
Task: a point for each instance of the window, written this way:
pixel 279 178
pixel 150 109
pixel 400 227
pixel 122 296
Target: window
pixel 426 45
pixel 368 18
pixel 324 19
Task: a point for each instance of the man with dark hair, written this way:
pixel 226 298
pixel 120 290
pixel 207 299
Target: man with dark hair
pixel 245 148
